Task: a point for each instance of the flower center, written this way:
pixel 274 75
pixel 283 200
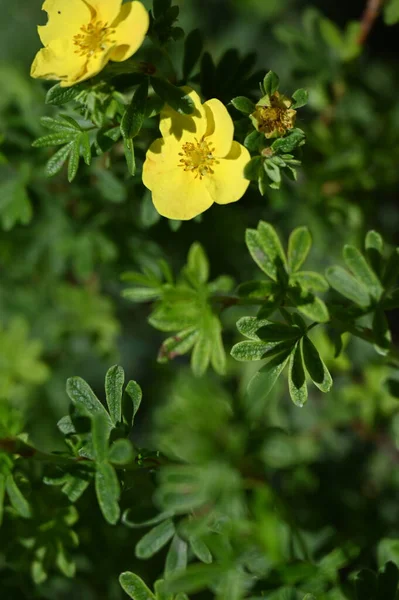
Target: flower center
pixel 198 158
pixel 94 38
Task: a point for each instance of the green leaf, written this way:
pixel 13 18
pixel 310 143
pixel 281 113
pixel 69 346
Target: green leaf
pixel 381 331
pixel 133 390
pixel 83 397
pixel 100 434
pixel 271 83
pixel 85 147
pixel 160 7
pixel 344 283
pixel 358 265
pixel 248 326
pixel 154 521
pixel 193 47
pixel 194 579
pixel 309 281
pixel 393 388
pixel 58 95
pixel 299 246
pixel 256 289
pixel 313 307
pixel 296 378
pixel 128 147
pixel 218 354
pixel 293 140
pixel 74 159
pixel 366 585
pixel 18 502
pixel 251 170
pixel 160 592
pixel 254 142
pixel 133 119
pixel 121 452
pixel 316 368
pixel 55 139
pixel 114 380
pixel 74 487
pixel 264 380
pixel 175 97
pixel 176 559
pixel 135 587
pixel 265 248
pixel 179 344
pixel 244 105
pixel 391 12
pixel 201 550
pixel 391 271
pixel 155 539
pixel 108 492
pixel 57 161
pixel 201 355
pixel 197 264
pixel 300 98
pixel 388 580
pixel 2 495
pixel 278 332
pixel 273 172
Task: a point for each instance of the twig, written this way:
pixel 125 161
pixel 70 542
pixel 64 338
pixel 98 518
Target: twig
pixel 369 17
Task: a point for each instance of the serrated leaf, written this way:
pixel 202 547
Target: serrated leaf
pixel 299 245
pixel 58 95
pixel 296 378
pixel 121 452
pixel 18 502
pixel 264 380
pixel 358 265
pixel 56 162
pixel 315 366
pixel 271 83
pixel 135 587
pixel 175 97
pixel 114 380
pixel 155 539
pixel 108 492
pixel 133 119
pixel 83 397
pixel 344 283
pixel 176 559
pixel 244 105
pixel 133 390
pixel 193 47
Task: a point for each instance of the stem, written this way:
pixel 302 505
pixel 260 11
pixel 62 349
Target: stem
pixel 368 19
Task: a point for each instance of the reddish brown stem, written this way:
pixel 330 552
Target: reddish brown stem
pixel 372 11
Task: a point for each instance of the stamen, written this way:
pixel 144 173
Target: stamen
pixel 198 158
pixel 95 38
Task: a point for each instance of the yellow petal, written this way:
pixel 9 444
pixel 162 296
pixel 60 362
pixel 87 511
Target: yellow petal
pixel 58 61
pixel 220 127
pixel 65 18
pixel 228 183
pixel 131 27
pixel 184 127
pixel 176 193
pixel 105 10
pixel 94 64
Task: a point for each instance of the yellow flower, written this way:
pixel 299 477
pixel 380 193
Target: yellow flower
pixel 273 115
pixel 196 162
pixel 81 36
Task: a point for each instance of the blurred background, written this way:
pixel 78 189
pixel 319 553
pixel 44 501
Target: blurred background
pixel 63 247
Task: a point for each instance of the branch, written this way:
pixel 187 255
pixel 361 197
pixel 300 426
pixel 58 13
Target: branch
pixel 372 11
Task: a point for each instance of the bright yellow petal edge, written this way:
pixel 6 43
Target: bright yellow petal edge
pixel 81 36
pixel 196 162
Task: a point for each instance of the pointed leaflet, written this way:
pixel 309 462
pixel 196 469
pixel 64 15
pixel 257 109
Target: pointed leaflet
pixel 176 559
pixel 193 46
pixel 265 248
pixel 135 587
pixel 114 381
pixel 154 521
pixel 264 380
pixel 374 245
pixel 108 491
pixel 200 550
pixel 296 378
pixel 249 350
pixel 218 354
pixel 201 355
pixel 133 390
pixel 133 119
pixel 299 245
pixel 197 264
pixel 155 539
pixel 316 368
pixel 177 98
pixel 358 265
pixel 16 498
pixel 83 397
pixel 309 281
pixel 344 283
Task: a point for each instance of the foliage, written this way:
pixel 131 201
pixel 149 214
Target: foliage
pixel 211 483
